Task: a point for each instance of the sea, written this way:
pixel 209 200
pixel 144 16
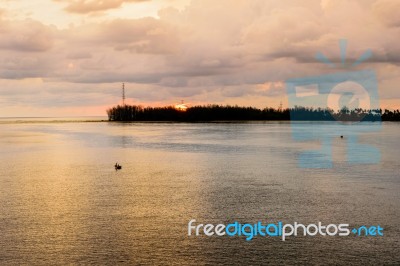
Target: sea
pixel 63 202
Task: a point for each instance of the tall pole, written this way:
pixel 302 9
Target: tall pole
pixel 123 94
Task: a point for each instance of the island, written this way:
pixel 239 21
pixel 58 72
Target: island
pixel 214 112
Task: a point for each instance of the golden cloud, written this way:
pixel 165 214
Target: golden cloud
pixel 90 6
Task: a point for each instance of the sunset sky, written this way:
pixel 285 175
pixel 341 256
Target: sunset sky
pixel 69 57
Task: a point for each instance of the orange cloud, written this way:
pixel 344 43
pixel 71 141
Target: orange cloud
pixel 387 12
pixel 90 6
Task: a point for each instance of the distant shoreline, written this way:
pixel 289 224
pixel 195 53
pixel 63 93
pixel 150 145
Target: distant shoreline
pixel 180 122
pixel 208 113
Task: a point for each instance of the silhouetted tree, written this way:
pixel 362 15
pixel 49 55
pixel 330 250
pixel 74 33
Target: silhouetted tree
pixel 235 113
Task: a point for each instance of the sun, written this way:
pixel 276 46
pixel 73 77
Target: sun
pixel 181 107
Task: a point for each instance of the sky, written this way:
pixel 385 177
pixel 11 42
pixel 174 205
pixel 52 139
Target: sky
pixel 70 57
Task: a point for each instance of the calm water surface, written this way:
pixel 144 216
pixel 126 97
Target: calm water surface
pixel 62 202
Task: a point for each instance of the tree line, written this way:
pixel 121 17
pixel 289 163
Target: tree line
pixel 237 113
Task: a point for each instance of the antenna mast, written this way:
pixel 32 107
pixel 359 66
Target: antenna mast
pixel 123 94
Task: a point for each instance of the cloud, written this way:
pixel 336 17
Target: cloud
pixel 387 12
pixel 90 6
pixel 79 55
pixel 22 67
pixel 25 36
pixel 2 12
pixel 146 35
pixel 203 53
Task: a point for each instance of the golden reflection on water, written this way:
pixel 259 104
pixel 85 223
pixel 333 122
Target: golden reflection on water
pixel 68 204
pixel 62 202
